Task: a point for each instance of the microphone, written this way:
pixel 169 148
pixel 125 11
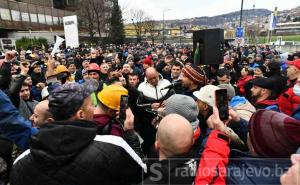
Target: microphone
pixel 172 85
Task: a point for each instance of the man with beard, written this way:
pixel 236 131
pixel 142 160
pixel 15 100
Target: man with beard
pixel 263 94
pixel 193 78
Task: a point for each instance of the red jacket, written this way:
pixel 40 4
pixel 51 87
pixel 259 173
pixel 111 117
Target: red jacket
pixel 241 83
pixel 214 159
pixel 288 101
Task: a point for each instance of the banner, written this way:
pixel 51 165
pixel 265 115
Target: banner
pixel 58 42
pixel 71 31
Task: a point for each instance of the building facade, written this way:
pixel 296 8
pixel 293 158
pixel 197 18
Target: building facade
pixel 31 18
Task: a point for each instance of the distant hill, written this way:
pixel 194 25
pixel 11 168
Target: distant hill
pixel 221 19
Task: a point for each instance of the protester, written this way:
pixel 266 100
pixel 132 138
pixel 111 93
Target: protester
pixel 41 114
pixel 149 75
pixel 263 95
pixel 193 78
pixel 152 97
pixel 174 140
pixel 72 108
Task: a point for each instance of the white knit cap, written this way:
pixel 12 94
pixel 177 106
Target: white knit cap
pixel 207 94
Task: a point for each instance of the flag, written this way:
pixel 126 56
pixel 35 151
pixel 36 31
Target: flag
pixel 58 42
pixel 272 22
pixel 197 54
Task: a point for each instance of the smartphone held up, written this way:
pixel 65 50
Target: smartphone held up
pixel 222 103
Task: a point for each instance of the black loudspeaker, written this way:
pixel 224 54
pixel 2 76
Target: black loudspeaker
pixel 211 46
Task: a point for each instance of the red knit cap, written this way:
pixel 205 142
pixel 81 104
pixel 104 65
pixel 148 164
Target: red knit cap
pixel 148 61
pixel 274 134
pixel 192 73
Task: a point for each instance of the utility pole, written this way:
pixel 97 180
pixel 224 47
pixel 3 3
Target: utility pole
pixel 241 17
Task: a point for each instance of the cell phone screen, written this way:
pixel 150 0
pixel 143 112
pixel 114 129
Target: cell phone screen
pixel 123 107
pixel 222 103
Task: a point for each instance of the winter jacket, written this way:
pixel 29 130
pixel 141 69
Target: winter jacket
pixel 246 169
pixel 12 125
pixel 288 101
pixel 109 126
pixel 242 107
pixel 70 152
pixel 241 83
pixel 153 94
pixel 102 120
pixel 266 104
pixel 26 108
pixel 296 114
pixel 214 159
pixel 5 160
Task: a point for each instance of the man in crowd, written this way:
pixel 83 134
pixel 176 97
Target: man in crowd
pixel 288 101
pixel 26 105
pixel 151 98
pixel 205 98
pixel 176 71
pixel 70 149
pixel 152 88
pixel 133 80
pixel 224 77
pixel 94 71
pixel 174 140
pixel 262 92
pixel 41 114
pixel 193 78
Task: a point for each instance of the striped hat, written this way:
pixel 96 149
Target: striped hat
pixel 194 73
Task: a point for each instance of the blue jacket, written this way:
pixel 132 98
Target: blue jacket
pixel 12 125
pixel 246 169
pixel 296 114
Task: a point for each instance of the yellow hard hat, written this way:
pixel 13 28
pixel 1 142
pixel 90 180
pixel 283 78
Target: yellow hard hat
pixel 110 96
pixel 61 69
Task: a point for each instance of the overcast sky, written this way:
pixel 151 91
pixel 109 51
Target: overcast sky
pixel 196 8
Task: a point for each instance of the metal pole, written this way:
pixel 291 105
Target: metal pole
pixel 180 35
pixel 163 40
pixel 241 15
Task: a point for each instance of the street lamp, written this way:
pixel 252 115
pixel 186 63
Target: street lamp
pixel 164 10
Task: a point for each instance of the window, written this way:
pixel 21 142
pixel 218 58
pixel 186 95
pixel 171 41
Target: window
pixel 41 18
pixel 33 17
pixel 25 16
pixel 55 20
pixel 15 15
pixel 5 14
pixel 49 19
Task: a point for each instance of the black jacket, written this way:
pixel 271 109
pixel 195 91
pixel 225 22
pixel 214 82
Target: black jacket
pixel 69 152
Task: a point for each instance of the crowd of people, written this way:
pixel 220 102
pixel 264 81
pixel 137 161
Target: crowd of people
pixel 63 119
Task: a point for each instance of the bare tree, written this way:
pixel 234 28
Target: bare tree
pixel 87 17
pixel 95 16
pixel 138 17
pixel 102 13
pixel 149 27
